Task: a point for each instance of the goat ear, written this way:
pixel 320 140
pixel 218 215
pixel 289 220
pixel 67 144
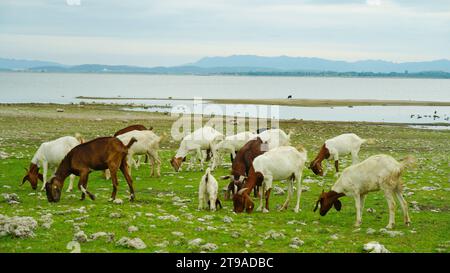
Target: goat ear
pixel 337 205
pixel 317 205
pixel 25 179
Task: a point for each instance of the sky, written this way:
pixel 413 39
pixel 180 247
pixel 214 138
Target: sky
pixel 175 32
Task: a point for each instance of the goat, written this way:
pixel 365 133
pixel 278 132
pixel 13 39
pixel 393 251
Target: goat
pixel 285 162
pixel 147 144
pixel 49 155
pixel 375 173
pixel 207 192
pixel 138 127
pixel 99 154
pixel 335 147
pixel 275 138
pixel 234 143
pixel 241 166
pixel 194 143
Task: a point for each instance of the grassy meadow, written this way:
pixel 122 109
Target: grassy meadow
pixel 165 211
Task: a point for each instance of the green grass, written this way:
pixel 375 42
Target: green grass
pixel 24 127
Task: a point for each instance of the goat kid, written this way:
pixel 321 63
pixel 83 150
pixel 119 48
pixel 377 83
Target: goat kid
pixel 208 192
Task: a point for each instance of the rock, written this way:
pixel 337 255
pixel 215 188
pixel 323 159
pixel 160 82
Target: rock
pixel 195 243
pixel 391 233
pixel 169 217
pixel 115 215
pixel 371 210
pixel 80 237
pixel 46 220
pixel 429 188
pixel 260 243
pixel 177 233
pixel 21 227
pixel 235 234
pixel 274 235
pixel 334 237
pixel 135 243
pixel 370 231
pixel 74 246
pixel 375 247
pixel 164 244
pixel 296 242
pixel 278 191
pixel 11 198
pixel 132 229
pixel 209 247
pixel 108 236
pixel 227 219
pixel 3 155
pixel 210 228
pixel 118 201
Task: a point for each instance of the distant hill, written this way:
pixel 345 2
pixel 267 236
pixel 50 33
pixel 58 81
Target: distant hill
pixel 253 66
pixel 14 64
pixel 317 65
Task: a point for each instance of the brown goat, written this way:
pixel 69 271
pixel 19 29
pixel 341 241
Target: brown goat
pixel 241 166
pixel 242 200
pixel 98 154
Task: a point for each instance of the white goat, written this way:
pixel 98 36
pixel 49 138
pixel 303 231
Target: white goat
pixel 275 138
pixel 284 162
pixel 333 148
pixel 49 155
pixel 207 192
pixel 203 139
pixel 147 144
pixel 378 172
pixel 233 143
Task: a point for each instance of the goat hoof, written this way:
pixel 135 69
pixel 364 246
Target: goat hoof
pixel 297 210
pixel 390 226
pixel 408 224
pixel 92 197
pixel 265 211
pixel 259 209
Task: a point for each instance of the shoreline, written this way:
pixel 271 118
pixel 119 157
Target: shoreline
pixel 291 102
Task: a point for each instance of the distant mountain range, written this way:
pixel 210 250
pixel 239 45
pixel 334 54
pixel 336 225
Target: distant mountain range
pixel 253 65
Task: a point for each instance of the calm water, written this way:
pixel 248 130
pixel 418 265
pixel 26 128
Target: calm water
pixel 63 88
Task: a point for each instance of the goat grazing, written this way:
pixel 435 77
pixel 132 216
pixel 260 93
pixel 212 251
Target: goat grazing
pixel 49 155
pixel 98 154
pixel 137 127
pixel 284 162
pixel 147 144
pixel 207 192
pixel 378 172
pixel 241 166
pixel 335 147
pixel 234 143
pixel 203 139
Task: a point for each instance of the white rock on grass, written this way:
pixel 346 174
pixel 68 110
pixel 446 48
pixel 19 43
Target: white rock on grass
pixel 46 220
pixel 209 247
pixel 391 233
pixel 118 201
pixel 135 243
pixel 132 229
pixel 227 219
pixel 11 198
pixel 371 210
pixel 178 233
pixel 107 235
pixel 278 191
pixel 115 215
pixel 195 242
pixel 21 227
pixel 296 243
pixel 375 247
pixel 172 218
pixel 370 231
pixel 80 237
pixel 274 235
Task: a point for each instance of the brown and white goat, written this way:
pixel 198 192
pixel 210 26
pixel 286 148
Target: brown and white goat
pixel 378 172
pixel 136 127
pixel 335 147
pixel 242 164
pixel 98 154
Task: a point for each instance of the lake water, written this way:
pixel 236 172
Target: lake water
pixel 63 88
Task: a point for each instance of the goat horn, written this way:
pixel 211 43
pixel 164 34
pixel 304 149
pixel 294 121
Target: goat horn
pixel 241 191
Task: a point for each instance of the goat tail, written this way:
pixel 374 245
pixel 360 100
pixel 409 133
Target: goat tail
pixel 369 141
pixel 80 138
pixel 408 162
pixel 132 141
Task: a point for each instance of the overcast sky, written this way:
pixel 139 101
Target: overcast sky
pixel 173 32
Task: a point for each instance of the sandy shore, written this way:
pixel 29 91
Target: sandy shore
pixel 299 102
